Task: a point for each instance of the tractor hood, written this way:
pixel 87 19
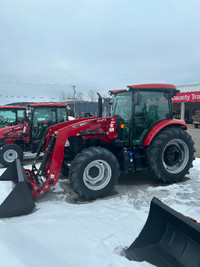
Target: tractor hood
pixel 10 131
pixel 88 127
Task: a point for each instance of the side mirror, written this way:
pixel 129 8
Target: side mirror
pixel 111 101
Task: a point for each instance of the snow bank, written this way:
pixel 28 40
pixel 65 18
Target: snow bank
pixel 92 234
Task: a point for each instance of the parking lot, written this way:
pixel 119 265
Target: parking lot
pixel 195 133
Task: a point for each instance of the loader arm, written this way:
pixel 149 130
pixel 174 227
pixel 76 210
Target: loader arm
pixel 48 174
pixel 59 126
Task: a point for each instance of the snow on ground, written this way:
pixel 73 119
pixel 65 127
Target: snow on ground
pixel 93 234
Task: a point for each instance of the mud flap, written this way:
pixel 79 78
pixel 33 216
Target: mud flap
pixel 167 239
pixel 19 201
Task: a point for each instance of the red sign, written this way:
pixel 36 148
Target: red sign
pixel 187 97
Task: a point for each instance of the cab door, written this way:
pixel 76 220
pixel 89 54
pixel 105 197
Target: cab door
pixel 153 107
pixel 43 118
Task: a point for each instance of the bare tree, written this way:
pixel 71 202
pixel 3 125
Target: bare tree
pixel 70 96
pixel 92 95
pixel 79 96
pixel 104 95
pixel 62 97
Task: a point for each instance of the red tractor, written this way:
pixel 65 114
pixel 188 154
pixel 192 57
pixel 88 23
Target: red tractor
pixel 26 126
pixel 141 133
pixel 11 115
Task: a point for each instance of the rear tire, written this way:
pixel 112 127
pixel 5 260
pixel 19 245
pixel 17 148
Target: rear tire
pixel 10 152
pixel 170 155
pixel 94 172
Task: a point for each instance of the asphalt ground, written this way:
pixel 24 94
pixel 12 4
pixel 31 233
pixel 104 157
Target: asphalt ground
pixel 195 133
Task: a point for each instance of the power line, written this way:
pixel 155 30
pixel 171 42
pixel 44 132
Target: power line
pixel 39 84
pixel 45 84
pixel 17 96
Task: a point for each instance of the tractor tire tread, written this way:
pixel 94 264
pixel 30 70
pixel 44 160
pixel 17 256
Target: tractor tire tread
pixel 76 171
pixel 153 153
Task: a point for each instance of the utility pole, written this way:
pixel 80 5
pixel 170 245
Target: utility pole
pixel 74 91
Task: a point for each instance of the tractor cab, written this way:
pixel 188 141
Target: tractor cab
pixel 139 108
pixel 43 115
pixel 11 115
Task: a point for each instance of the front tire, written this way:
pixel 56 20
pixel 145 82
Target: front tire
pixel 10 152
pixel 170 155
pixel 94 172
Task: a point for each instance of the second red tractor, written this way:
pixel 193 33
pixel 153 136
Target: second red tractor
pixel 24 127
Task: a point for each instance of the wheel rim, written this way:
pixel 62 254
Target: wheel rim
pixel 175 156
pixel 97 175
pixel 10 155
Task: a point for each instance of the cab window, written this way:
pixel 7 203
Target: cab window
pixel 61 115
pixel 153 107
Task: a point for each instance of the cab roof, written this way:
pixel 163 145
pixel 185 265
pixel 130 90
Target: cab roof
pixel 153 86
pixel 12 107
pixel 149 86
pixel 47 105
pixel 117 91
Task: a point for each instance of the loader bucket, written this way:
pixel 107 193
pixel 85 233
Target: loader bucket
pixel 167 239
pixel 19 201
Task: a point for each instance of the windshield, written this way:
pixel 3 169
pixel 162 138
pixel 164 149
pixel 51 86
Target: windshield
pixel 44 115
pixel 122 105
pixel 11 117
pixel 8 117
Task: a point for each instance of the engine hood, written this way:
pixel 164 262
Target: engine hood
pixel 15 130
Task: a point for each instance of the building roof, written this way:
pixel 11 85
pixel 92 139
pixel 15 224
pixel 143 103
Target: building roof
pixel 189 87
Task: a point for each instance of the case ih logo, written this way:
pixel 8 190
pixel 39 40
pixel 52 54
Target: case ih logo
pixel 9 130
pixel 187 97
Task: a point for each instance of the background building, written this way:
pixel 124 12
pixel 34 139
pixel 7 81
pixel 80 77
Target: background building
pixel 187 103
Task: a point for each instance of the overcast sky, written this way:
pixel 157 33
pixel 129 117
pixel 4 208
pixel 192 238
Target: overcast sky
pixel 96 44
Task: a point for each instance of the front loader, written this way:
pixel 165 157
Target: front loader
pixel 168 239
pixel 140 134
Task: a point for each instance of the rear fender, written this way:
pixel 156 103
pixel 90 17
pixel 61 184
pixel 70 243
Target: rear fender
pixel 161 125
